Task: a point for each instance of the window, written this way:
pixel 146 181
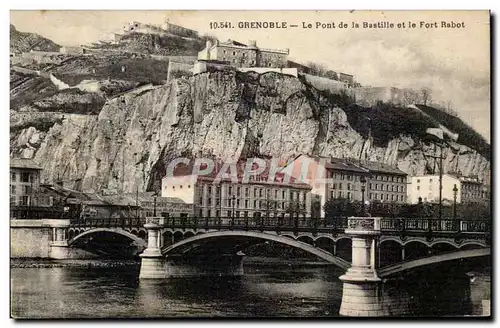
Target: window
pixel 209 213
pixel 371 187
pixel 237 214
pixel 430 180
pixel 246 192
pixel 340 186
pixel 230 190
pixel 229 214
pixel 12 190
pixel 283 194
pixel 340 194
pixel 418 180
pixel 334 186
pixel 392 197
pixel 276 193
pixel 26 177
pixel 418 187
pixel 234 53
pixel 386 196
pixel 13 176
pixel 349 195
pixel 260 192
pixel 246 203
pixel 255 192
pixel 341 177
pixel 237 203
pixel 209 189
pixel 376 186
pixel 349 186
pixel 255 204
pixel 217 213
pixel 371 196
pixel 332 194
pixel 238 190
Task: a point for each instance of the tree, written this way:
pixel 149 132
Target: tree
pixel 425 95
pixel 410 97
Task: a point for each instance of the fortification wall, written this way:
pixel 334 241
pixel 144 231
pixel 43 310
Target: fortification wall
pixel 369 96
pixel 325 84
pixel 262 70
pixel 174 67
pixel 177 59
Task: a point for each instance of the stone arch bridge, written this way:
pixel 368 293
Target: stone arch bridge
pixel 371 250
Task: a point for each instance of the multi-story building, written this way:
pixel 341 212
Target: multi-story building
pixel 468 189
pixel 328 177
pixel 242 55
pixel 473 191
pixel 332 178
pixel 385 183
pixel 256 197
pixel 24 182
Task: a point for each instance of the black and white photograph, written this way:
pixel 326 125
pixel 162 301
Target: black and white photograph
pixel 250 164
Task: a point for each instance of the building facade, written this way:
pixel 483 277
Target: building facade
pixel 24 182
pixel 385 183
pixel 473 191
pixel 242 55
pixel 426 189
pixel 256 198
pixel 332 178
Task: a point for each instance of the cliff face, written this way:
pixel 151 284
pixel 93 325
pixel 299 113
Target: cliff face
pixel 24 42
pixel 226 114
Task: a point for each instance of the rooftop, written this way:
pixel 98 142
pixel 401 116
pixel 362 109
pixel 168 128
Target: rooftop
pixel 24 163
pixel 381 167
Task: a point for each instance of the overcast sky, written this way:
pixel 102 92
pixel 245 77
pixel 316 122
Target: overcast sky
pixel 454 63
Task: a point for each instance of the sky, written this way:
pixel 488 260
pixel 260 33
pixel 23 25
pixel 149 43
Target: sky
pixel 453 62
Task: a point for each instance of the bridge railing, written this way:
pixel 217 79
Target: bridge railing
pixel 258 223
pixel 436 225
pixel 110 223
pixel 327 225
pixel 38 213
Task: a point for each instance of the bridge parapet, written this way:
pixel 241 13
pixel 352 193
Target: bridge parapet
pixel 363 226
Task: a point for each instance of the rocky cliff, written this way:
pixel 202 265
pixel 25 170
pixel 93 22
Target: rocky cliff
pixel 24 42
pixel 224 113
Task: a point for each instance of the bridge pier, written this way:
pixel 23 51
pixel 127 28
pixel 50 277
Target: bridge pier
pixel 361 294
pixel 59 248
pixel 152 261
pixel 155 265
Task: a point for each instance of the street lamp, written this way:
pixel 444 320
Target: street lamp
pixel 455 190
pixel 363 188
pixel 154 205
pixel 233 201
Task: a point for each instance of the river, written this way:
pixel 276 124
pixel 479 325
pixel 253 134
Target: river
pixel 266 290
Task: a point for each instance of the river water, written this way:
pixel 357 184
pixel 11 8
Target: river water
pixel 266 290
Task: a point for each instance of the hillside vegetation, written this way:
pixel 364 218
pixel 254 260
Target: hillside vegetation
pixel 466 134
pixel 159 45
pixel 388 121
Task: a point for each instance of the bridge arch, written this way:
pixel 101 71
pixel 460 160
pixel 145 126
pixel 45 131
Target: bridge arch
pixel 437 242
pixel 259 235
pixel 131 236
pixel 400 267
